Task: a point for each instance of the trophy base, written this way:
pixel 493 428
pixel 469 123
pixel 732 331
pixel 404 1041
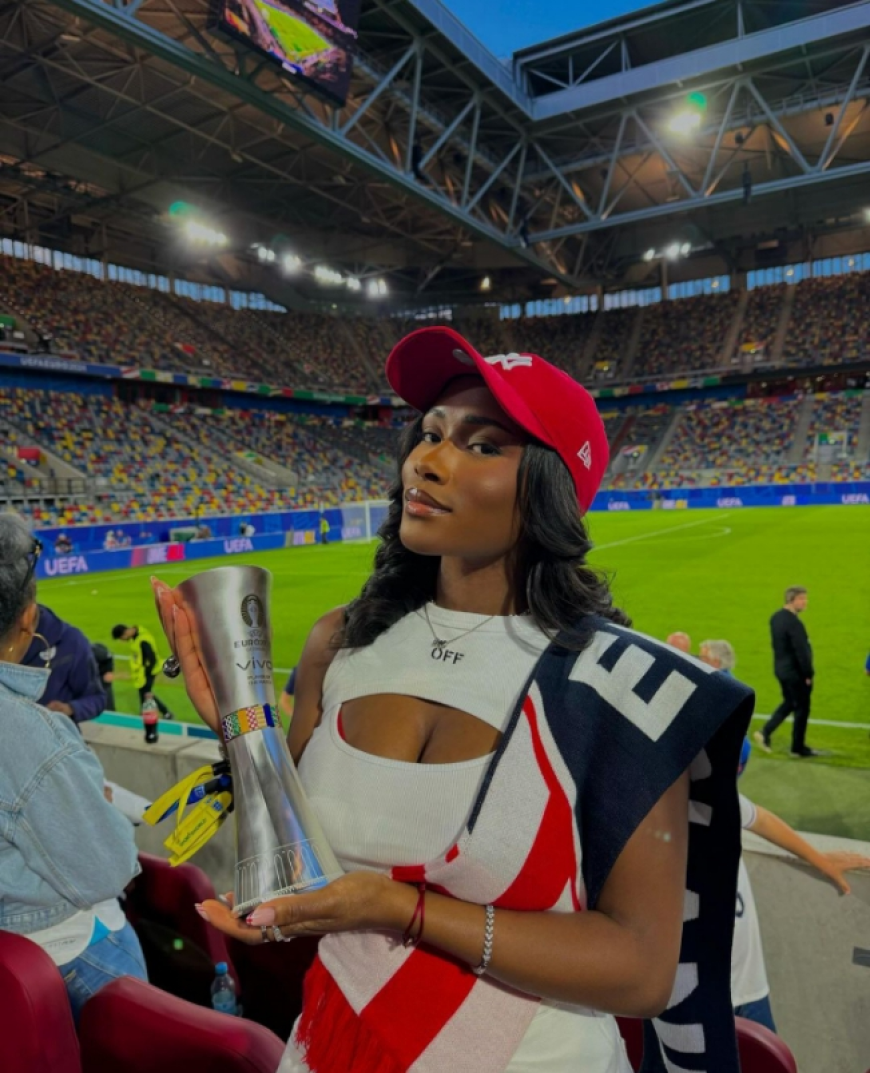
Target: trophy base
pixel 285 870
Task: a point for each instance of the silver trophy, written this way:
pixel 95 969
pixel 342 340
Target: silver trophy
pixel 280 847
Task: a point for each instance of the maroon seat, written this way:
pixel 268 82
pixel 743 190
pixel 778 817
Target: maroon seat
pixel 631 1031
pixel 181 949
pixel 38 1032
pixel 131 1026
pixel 761 1051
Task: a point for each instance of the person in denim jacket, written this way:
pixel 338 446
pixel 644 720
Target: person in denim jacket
pixel 65 852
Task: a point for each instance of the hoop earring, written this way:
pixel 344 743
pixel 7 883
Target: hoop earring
pixel 46 648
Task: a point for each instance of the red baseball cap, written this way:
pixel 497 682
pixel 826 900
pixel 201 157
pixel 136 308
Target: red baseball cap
pixel 542 399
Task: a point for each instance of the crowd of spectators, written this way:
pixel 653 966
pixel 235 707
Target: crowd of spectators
pixel 83 318
pixel 686 334
pixel 608 359
pixel 733 435
pixel 829 321
pixel 834 413
pixel 79 316
pixel 108 323
pixel 561 340
pixel 144 464
pixel 487 334
pixel 760 321
pixel 313 448
pixel 138 470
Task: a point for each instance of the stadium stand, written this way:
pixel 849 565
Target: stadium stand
pixel 761 319
pixel 686 334
pixel 837 413
pixel 79 316
pixel 109 323
pixel 731 435
pixel 829 321
pixel 312 447
pixel 141 468
pixel 609 355
pixel 723 443
pixel 561 340
pixel 487 334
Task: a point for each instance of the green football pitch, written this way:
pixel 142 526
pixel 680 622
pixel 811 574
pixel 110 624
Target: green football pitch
pixel 714 574
pixel 295 37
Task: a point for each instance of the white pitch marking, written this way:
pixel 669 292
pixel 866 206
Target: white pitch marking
pixel 657 532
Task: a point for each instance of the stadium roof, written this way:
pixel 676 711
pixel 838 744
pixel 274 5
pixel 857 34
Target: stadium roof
pixel 553 174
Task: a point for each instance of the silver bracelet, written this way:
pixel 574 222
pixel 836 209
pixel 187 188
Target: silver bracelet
pixel 488 933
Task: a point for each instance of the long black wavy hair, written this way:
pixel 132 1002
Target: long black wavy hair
pixel 552 580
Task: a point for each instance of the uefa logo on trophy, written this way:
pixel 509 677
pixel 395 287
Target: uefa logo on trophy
pixel 280 847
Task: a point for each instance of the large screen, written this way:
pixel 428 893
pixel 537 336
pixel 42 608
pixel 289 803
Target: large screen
pixel 310 38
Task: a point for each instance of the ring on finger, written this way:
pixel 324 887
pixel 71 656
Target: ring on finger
pixel 276 934
pixel 264 931
pixel 171 667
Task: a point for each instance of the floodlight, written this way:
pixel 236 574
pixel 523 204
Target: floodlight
pixel 327 276
pixel 687 119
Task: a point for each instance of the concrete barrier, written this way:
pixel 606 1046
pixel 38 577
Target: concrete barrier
pixel 820 982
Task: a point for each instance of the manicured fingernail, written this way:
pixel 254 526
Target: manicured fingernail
pixel 202 912
pixel 224 900
pixel 261 916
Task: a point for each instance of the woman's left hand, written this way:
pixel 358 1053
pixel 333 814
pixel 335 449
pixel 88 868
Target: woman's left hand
pixel 836 863
pixel 358 901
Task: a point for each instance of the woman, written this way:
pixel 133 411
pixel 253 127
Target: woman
pixel 65 852
pixel 500 765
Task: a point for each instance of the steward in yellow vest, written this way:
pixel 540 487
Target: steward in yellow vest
pixel 144 662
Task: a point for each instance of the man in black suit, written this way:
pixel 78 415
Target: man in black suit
pixel 793 666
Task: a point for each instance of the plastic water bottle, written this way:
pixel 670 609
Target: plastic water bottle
pixel 223 991
pixel 150 715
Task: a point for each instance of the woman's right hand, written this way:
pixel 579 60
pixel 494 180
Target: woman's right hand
pixel 179 632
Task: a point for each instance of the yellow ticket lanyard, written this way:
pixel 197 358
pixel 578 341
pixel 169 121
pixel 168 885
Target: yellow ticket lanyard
pixel 201 802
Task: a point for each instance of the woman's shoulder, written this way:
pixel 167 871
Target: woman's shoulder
pixel 31 738
pixel 321 643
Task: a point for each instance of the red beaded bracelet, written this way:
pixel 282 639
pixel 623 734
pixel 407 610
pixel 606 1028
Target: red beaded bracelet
pixel 409 938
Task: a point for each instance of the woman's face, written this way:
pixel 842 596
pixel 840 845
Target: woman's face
pixel 460 481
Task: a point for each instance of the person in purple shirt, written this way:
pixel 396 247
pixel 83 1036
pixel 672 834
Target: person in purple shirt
pixel 74 687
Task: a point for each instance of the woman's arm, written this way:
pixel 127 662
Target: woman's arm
pixel 70 835
pixel 313 664
pixel 833 865
pixel 621 958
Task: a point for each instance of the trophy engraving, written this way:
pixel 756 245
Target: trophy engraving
pixel 280 847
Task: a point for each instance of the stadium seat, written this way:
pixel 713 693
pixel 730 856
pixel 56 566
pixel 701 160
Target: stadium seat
pixel 760 1050
pixel 135 1027
pixel 38 1031
pixel 631 1030
pixel 270 979
pixel 181 949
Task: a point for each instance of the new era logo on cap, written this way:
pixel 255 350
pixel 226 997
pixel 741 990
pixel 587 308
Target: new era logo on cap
pixel 585 454
pixel 510 361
